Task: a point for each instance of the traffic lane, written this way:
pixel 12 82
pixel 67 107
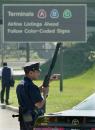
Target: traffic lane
pixel 6 120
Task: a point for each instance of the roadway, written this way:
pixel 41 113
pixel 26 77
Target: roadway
pixel 6 120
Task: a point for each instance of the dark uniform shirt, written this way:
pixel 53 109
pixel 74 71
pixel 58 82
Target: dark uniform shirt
pixel 6 76
pixel 28 94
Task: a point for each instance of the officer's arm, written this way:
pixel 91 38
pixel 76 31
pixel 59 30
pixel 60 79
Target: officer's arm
pixel 42 102
pixel 41 89
pixel 44 89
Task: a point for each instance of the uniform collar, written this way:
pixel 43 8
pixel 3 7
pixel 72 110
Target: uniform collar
pixel 28 79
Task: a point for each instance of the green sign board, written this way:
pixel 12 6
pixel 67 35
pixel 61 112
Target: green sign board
pixel 44 22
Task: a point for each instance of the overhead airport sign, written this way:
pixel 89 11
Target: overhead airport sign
pixel 44 22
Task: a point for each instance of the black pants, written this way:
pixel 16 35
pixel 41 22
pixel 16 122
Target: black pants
pixel 26 126
pixel 7 89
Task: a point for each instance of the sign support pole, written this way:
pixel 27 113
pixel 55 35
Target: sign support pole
pixel 27 52
pixel 61 68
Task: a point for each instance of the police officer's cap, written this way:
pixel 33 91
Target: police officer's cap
pixel 32 67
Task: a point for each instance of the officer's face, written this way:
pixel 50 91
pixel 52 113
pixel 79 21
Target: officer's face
pixel 34 74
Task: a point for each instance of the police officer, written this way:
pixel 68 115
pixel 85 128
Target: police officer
pixel 29 97
pixel 6 79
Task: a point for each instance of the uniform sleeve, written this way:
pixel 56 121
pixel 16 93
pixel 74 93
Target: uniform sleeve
pixel 36 95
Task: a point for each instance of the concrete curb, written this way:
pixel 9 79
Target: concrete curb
pixel 11 108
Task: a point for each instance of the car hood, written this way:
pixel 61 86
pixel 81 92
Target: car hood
pixel 75 113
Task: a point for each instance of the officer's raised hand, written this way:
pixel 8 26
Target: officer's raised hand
pixel 44 90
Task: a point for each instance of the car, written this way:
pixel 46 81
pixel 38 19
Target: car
pixel 87 104
pixel 80 117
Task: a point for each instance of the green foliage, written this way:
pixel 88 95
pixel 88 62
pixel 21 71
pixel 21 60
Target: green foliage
pixel 76 59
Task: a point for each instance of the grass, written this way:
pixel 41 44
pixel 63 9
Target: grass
pixel 74 91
